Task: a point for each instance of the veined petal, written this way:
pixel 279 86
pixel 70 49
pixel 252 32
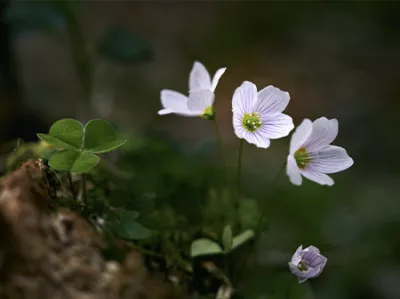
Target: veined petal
pixel 324 131
pixel 174 102
pixel 331 159
pixel 276 126
pixel 200 100
pixel 301 135
pixel 216 78
pixel 199 78
pixel 271 100
pixel 237 120
pixel 256 138
pixel 244 98
pixel 293 171
pixel 318 177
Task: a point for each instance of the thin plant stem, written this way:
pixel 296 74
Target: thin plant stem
pixel 260 222
pixel 84 195
pixel 220 144
pixel 71 186
pixel 238 183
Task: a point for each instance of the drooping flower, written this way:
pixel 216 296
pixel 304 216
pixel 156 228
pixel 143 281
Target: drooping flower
pixel 311 154
pixel 201 94
pixel 307 263
pixel 257 116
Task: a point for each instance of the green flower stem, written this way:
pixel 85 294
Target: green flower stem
pixel 84 195
pixel 220 144
pixel 71 186
pixel 259 224
pixel 238 184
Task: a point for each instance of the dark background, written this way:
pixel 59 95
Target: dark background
pixel 338 59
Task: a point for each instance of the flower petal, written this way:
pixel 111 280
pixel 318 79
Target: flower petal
pixel 317 177
pixel 301 135
pixel 331 159
pixel 276 126
pixel 216 78
pixel 297 256
pixel 174 102
pixel 256 139
pixel 293 171
pixel 199 78
pixel 200 100
pixel 244 98
pixel 324 131
pixel 237 121
pixel 271 100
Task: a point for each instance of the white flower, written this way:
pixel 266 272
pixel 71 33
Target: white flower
pixel 311 154
pixel 201 94
pixel 258 117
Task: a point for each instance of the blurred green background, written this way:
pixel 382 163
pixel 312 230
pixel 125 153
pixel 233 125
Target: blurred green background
pixel 338 59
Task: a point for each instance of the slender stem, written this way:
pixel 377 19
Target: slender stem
pixel 71 186
pixel 84 195
pixel 260 221
pixel 220 144
pixel 239 173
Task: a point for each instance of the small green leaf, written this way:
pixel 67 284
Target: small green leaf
pixel 122 46
pixel 129 229
pixel 55 142
pixel 65 133
pixel 77 162
pixel 205 246
pixel 227 238
pixel 100 137
pixel 242 238
pixel 108 147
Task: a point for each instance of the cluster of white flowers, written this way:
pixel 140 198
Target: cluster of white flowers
pixel 258 117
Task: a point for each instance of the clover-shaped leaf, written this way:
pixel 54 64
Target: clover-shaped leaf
pixel 73 161
pixel 204 246
pixel 129 229
pixel 79 144
pixel 242 238
pixel 100 137
pixel 65 133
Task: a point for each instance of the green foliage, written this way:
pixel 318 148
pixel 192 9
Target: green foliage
pixel 121 46
pixel 80 144
pixel 72 161
pixel 205 246
pixel 227 238
pixel 242 238
pixel 128 228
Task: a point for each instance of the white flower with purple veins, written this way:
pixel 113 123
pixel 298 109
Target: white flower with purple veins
pixel 201 94
pixel 257 116
pixel 311 154
pixel 307 263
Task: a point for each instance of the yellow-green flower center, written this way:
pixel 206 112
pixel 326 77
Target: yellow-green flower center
pixel 209 113
pixel 302 158
pixel 302 266
pixel 252 121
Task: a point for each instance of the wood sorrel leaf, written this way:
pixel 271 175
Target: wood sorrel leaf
pixel 100 137
pixel 205 246
pixel 73 161
pixel 242 238
pixel 129 229
pixel 65 133
pixel 227 238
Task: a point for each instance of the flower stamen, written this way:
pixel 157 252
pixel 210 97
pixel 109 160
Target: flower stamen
pixel 302 158
pixel 302 266
pixel 252 121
